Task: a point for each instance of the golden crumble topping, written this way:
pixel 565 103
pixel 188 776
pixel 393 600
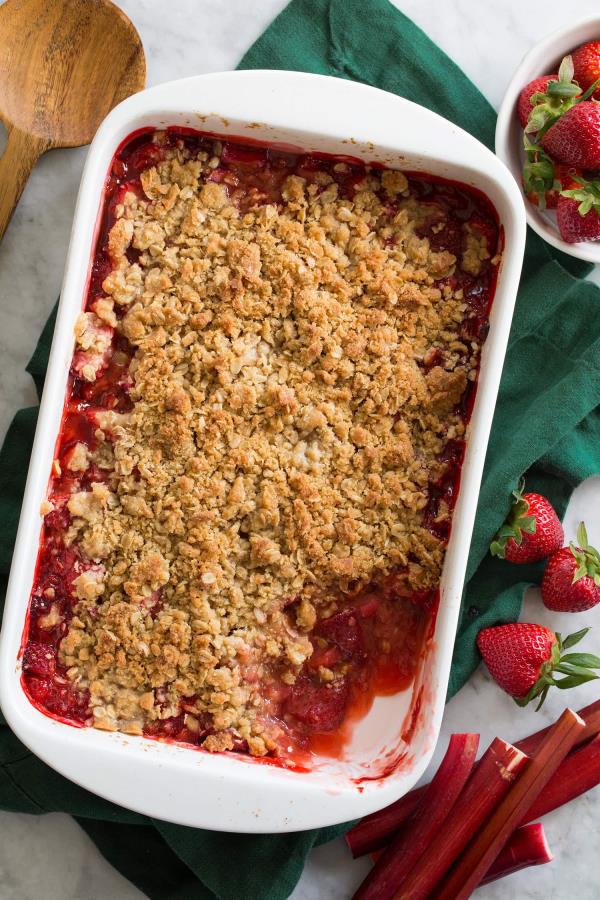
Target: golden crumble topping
pixel 298 365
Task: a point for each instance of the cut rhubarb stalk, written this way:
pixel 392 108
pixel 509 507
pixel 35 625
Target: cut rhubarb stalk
pixel 580 772
pixel 527 847
pixel 590 715
pixel 487 844
pixel 407 847
pixel 375 831
pixel 490 781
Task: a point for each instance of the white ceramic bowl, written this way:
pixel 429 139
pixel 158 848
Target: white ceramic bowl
pixel 228 792
pixel 543 59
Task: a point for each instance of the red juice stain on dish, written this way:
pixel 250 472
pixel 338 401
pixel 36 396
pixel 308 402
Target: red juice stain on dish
pixel 374 641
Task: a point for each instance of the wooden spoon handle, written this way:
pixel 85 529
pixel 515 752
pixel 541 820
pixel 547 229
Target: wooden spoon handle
pixel 22 152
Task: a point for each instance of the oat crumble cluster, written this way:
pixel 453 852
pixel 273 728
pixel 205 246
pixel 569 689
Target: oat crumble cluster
pixel 297 370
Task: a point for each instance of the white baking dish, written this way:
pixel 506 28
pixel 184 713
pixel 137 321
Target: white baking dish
pixel 226 792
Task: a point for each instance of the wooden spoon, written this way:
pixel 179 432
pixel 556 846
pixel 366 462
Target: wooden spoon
pixel 64 64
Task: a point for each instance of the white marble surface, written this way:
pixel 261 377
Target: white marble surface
pixel 51 857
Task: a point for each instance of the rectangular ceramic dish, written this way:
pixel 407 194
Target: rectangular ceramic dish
pixel 227 791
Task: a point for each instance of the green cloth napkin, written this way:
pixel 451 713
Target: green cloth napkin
pixel 546 424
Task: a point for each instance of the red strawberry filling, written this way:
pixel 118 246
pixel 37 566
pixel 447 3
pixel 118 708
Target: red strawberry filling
pixel 38 659
pixel 315 706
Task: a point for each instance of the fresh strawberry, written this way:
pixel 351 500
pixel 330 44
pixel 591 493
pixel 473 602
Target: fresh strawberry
pixel 571 582
pixel 523 658
pixel 537 86
pixel 544 179
pixel 575 137
pixel 544 199
pixel 559 94
pixel 538 174
pixel 578 210
pixel 564 175
pixel 531 531
pixel 586 63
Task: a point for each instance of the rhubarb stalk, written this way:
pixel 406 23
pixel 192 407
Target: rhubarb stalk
pixel 579 772
pixel 527 847
pixel 406 848
pixel 376 830
pixel 471 867
pixel 590 715
pixel 490 781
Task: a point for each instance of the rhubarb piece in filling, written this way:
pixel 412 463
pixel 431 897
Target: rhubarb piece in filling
pixel 261 445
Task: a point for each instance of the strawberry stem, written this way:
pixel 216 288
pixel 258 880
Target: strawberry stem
pixel 587 557
pixel 561 94
pixel 588 194
pixel 517 523
pixel 576 668
pixel 566 69
pixel 538 172
pixel 587 94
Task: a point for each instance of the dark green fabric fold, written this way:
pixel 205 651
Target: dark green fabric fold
pixel 547 425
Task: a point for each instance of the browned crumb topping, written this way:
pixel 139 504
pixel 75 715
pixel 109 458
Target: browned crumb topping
pixel 284 430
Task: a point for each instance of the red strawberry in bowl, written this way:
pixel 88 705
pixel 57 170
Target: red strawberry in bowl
pixel 544 99
pixel 538 174
pixel 575 137
pixel 545 199
pixel 571 582
pixel 525 104
pixel 532 530
pixel 586 64
pixel 578 210
pixel 523 659
pixel 543 179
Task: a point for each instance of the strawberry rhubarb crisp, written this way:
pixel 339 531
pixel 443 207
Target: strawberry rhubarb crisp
pixel 261 445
